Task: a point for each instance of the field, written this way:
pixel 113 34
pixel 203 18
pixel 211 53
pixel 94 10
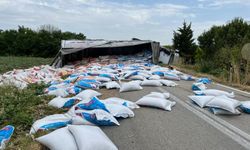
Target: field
pixel 21 108
pixel 10 63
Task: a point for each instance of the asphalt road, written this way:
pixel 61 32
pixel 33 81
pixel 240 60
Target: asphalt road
pixel 186 127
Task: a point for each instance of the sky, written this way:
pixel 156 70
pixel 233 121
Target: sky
pixel 122 19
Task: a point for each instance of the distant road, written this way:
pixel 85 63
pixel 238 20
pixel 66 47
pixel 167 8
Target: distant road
pixel 186 127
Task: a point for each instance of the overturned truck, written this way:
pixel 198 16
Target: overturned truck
pixel 77 50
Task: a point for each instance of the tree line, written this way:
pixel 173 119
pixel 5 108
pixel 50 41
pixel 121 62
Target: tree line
pixel 43 42
pixel 218 50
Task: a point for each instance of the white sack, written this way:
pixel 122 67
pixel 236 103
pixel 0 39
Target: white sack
pixel 120 111
pixel 218 111
pixel 156 102
pixel 201 100
pixel 154 77
pixel 137 77
pixel 214 92
pixel 130 86
pixel 245 106
pixel 119 101
pixel 112 85
pixel 168 83
pixel 224 102
pixel 151 83
pixel 59 92
pixel 91 138
pixel 103 79
pixel 199 85
pixel 87 94
pixel 58 102
pixel 60 139
pixel 50 122
pixel 99 117
pixel 159 95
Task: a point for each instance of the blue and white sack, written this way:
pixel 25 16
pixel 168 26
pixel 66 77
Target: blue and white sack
pixel 204 80
pixel 245 107
pixel 94 117
pixel 5 135
pixel 198 86
pixel 51 122
pixel 94 103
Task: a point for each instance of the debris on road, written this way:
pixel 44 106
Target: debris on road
pixel 214 92
pixel 204 80
pixel 198 86
pixel 157 100
pixel 245 107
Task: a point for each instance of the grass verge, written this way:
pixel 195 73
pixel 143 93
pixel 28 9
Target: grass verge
pixel 10 63
pixel 192 70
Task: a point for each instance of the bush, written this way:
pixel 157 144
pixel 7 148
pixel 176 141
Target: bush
pixel 22 107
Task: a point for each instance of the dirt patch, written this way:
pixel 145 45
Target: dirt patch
pixel 109 93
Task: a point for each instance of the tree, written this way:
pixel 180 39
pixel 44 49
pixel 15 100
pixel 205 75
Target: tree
pixel 45 42
pixel 49 28
pixel 184 42
pixel 221 46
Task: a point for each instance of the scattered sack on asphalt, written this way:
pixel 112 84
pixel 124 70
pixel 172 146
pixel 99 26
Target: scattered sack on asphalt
pixel 120 101
pixel 91 138
pixel 171 76
pixel 154 77
pixel 156 102
pixel 204 80
pixel 201 100
pixel 87 94
pixel 159 73
pixel 5 135
pixel 168 83
pixel 245 106
pixel 130 86
pixel 159 95
pixel 120 111
pixel 218 111
pixel 97 117
pixel 187 77
pixel 93 103
pixel 60 139
pixel 223 102
pixel 112 85
pixel 60 102
pixel 137 77
pixel 214 92
pixel 198 86
pixel 151 83
pixel 51 122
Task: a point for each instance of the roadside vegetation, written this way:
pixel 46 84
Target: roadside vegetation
pixel 218 51
pixel 10 62
pixel 22 107
pixel 43 42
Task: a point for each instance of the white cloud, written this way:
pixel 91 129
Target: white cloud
pixel 97 18
pixel 221 3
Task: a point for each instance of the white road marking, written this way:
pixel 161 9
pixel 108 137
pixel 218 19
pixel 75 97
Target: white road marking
pixel 231 131
pixel 232 88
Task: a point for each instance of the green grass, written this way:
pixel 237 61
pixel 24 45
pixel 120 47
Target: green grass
pixel 10 63
pixel 21 108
